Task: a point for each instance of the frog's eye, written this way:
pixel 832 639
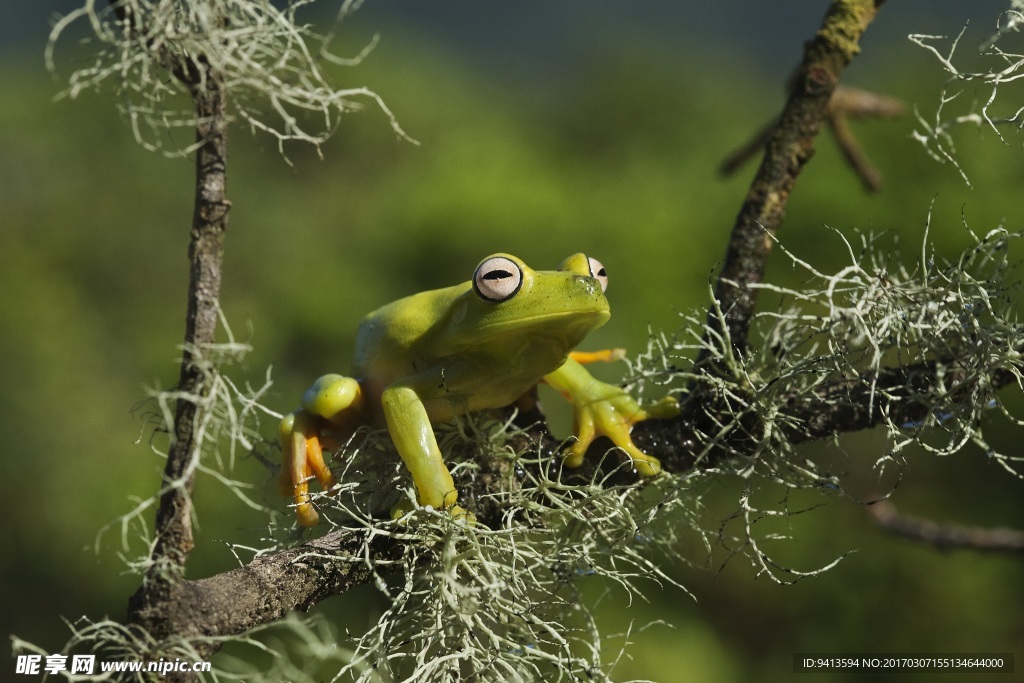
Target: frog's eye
pixel 597 271
pixel 498 278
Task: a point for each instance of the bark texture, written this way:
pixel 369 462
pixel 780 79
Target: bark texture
pixel 157 604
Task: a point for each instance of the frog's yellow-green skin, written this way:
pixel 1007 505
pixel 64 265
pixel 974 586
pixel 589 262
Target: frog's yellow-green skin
pixel 481 344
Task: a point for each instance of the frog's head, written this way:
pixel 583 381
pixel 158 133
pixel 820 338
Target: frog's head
pixel 510 301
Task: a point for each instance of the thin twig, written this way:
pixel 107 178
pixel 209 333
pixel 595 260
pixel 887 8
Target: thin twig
pixel 847 102
pixel 945 536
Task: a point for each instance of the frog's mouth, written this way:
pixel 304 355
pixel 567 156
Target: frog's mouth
pixel 572 318
pixel 566 328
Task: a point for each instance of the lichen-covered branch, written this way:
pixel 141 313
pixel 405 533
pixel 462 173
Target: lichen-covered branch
pixel 270 61
pixel 264 590
pixel 902 395
pixel 913 348
pixel 298 578
pixel 789 147
pixel 206 254
pixel 173 535
pixel 816 377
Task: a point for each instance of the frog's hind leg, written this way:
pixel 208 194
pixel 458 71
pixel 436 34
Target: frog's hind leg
pixel 303 459
pixel 331 400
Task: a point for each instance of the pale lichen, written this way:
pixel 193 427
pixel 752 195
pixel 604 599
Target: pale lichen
pixel 988 95
pixel 270 63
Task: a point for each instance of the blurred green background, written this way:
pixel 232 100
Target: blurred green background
pixel 542 135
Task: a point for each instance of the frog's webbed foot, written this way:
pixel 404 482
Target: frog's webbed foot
pixel 602 409
pixel 303 434
pixel 614 417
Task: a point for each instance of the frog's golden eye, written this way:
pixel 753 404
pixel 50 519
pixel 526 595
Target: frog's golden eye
pixel 497 278
pixel 597 271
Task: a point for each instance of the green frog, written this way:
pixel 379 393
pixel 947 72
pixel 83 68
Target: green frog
pixel 481 344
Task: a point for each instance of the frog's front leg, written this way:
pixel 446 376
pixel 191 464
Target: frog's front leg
pixel 331 400
pixel 600 409
pixel 411 431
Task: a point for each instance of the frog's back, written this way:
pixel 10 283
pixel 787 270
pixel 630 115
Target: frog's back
pixel 391 341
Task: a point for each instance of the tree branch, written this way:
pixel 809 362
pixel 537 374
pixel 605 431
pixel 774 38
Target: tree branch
pixel 266 589
pixel 206 251
pixel 847 102
pixel 153 605
pixel 853 102
pixel 895 395
pixel 789 147
pixel 298 578
pixel 945 536
pixel 173 541
pixel 270 586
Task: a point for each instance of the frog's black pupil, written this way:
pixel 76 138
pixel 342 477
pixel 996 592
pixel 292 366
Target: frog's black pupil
pixel 497 275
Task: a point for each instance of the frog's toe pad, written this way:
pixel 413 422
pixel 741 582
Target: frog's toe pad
pixel 667 407
pixel 462 516
pixel 646 466
pixel 306 515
